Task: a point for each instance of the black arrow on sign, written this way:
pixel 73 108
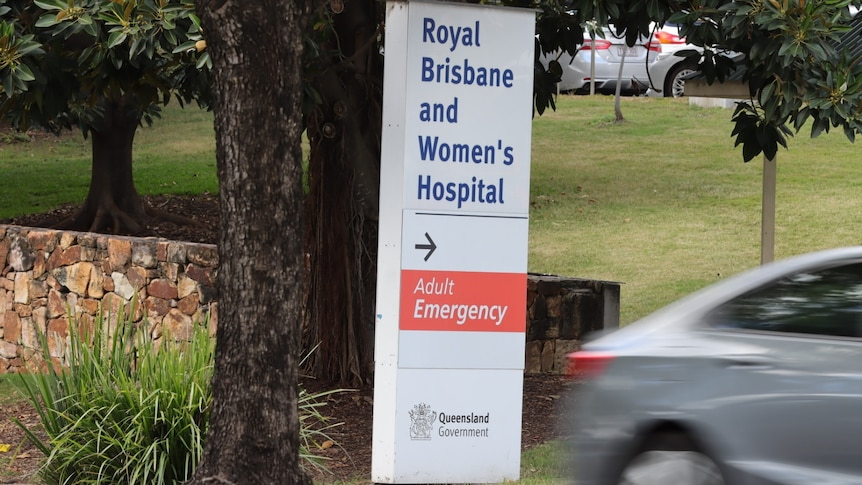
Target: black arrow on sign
pixel 430 246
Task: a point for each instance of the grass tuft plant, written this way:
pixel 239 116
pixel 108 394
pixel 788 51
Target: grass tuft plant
pixel 125 411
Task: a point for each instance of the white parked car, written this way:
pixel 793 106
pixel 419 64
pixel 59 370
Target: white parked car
pixel 670 69
pixel 669 39
pixel 609 51
pixel 667 73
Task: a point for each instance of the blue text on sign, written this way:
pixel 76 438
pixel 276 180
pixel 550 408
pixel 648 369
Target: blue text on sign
pixel 450 35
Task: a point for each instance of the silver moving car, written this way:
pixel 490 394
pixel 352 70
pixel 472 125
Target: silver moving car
pixel 608 50
pixel 754 380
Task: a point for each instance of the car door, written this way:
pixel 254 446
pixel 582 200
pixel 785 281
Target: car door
pixel 795 393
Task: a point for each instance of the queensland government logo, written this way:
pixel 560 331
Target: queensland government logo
pixel 421 422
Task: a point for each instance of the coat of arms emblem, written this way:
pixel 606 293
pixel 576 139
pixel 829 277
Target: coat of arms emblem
pixel 421 422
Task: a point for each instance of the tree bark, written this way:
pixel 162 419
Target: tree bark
pixel 344 131
pixel 253 434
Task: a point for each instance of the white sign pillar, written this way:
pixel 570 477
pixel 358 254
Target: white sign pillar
pixel 452 256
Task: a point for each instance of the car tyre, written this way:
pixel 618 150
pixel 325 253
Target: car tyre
pixel 671 459
pixel 674 85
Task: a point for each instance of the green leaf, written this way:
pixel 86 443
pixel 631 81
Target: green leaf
pixel 8 85
pixel 767 91
pixel 850 133
pixel 51 4
pixel 92 29
pixel 750 150
pixel 204 60
pixel 555 69
pixel 185 46
pixel 47 20
pixel 135 48
pixel 116 38
pixel 818 127
pixel 196 23
pixel 171 37
pixel 25 74
pixel 29 47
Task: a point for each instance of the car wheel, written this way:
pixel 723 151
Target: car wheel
pixel 674 85
pixel 671 459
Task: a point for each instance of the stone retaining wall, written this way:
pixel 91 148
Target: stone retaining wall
pixel 46 274
pixel 560 312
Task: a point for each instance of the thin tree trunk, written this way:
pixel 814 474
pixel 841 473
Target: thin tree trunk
pixel 618 111
pixel 253 435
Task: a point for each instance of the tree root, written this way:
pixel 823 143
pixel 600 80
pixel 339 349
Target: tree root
pixel 110 219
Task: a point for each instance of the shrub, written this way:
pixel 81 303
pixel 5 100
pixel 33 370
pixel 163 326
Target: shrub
pixel 123 412
pixel 126 412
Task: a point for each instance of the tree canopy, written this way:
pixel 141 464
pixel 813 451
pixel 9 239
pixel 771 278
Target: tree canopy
pixel 61 60
pixel 104 67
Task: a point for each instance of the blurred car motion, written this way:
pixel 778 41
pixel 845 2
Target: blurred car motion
pixel 754 380
pixel 609 51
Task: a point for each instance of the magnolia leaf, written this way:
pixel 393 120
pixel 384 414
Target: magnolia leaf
pixel 24 73
pixel 136 47
pixel 92 29
pixel 555 69
pixel 750 149
pixel 850 133
pixel 47 20
pixel 172 38
pixel 196 23
pixel 51 5
pixel 185 46
pixel 116 38
pixel 8 85
pixel 818 127
pixel 204 60
pixel 28 47
pixel 766 92
pixel 770 150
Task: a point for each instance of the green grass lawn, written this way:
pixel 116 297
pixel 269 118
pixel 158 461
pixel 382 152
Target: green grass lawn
pixel 661 203
pixel 41 171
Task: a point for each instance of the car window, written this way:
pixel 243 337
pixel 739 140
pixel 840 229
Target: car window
pixel 827 302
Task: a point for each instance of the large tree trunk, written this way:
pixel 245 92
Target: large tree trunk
pixel 253 434
pixel 112 203
pixel 344 182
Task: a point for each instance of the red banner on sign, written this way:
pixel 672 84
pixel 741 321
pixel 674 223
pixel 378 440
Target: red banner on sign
pixel 462 301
